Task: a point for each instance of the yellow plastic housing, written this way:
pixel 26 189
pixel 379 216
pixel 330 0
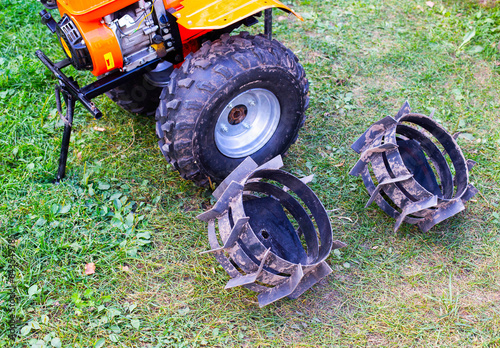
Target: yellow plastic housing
pixel 218 14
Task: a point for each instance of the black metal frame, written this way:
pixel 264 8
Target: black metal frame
pixel 101 86
pixel 72 93
pixel 70 102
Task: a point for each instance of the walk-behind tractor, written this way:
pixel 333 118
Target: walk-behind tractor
pixel 217 98
pixel 227 107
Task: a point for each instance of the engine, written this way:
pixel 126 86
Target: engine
pixel 142 31
pixel 105 36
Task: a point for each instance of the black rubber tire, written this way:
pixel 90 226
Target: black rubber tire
pixel 206 82
pixel 136 96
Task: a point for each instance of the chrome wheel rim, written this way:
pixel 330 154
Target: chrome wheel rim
pixel 247 123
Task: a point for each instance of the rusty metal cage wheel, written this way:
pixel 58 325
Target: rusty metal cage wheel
pixel 261 248
pixel 402 152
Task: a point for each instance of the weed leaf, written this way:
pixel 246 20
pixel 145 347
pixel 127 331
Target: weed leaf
pixel 56 342
pixel 467 38
pixel 100 343
pixel 65 209
pixel 136 323
pixel 26 330
pixel 32 290
pixel 104 186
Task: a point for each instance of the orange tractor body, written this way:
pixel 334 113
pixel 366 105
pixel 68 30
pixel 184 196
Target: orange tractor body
pixel 144 53
pixel 195 18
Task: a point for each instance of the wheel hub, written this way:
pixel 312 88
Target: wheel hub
pixel 237 114
pixel 247 123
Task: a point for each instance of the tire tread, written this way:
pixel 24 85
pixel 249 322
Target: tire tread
pixel 179 107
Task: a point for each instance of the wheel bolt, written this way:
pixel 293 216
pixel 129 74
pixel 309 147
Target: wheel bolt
pixel 252 103
pixel 223 128
pixel 246 125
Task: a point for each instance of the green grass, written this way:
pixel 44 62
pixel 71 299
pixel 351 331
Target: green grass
pixel 124 209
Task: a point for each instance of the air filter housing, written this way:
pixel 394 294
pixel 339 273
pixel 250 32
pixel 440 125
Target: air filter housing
pixel 73 44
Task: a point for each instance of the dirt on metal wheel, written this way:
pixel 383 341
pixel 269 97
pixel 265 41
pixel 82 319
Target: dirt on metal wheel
pixel 235 97
pixel 137 96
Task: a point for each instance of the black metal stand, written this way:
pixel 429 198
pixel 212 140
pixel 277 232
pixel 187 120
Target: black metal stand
pixel 268 23
pixel 70 101
pixel 71 91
